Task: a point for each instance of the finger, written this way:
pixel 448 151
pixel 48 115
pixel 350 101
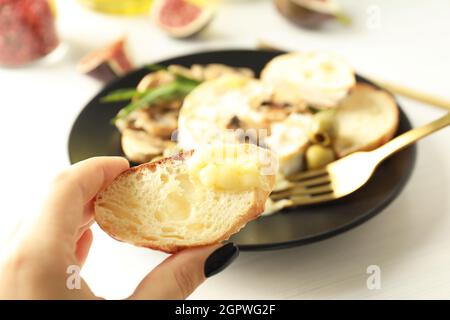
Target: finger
pixel 84 228
pixel 83 245
pixel 73 189
pixel 87 220
pixel 88 213
pixel 180 274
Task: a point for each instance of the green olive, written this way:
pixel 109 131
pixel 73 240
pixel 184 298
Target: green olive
pixel 321 128
pixel 318 156
pixel 323 121
pixel 322 138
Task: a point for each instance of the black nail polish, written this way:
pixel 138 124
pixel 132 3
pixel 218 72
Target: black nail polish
pixel 220 259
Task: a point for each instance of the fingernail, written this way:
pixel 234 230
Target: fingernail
pixel 220 259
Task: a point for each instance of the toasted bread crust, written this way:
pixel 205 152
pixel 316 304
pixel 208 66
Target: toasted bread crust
pixel 252 213
pixel 386 136
pixel 371 146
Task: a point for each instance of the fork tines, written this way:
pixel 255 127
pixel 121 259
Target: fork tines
pixel 307 188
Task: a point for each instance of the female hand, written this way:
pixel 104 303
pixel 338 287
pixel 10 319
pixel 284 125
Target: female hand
pixel 60 238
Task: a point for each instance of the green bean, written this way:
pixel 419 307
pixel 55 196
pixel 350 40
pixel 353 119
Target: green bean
pixel 120 95
pixel 163 92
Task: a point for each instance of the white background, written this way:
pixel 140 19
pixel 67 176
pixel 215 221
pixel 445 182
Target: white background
pixel 409 240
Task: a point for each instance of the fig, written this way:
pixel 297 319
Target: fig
pixel 311 13
pixel 181 18
pixel 107 63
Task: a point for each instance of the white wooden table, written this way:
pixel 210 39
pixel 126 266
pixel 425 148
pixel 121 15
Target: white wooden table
pixel 409 240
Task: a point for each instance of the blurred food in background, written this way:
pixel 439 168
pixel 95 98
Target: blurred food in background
pixel 294 100
pixel 149 120
pixel 307 107
pixel 311 13
pixel 27 31
pixel 108 63
pixel 182 18
pixel 178 18
pixel 321 79
pixel 125 7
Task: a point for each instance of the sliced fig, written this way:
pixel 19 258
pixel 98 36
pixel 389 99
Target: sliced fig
pixel 181 18
pixel 330 7
pixel 107 63
pixel 310 13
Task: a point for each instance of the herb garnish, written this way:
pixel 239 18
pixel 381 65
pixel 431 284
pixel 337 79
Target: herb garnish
pixel 179 88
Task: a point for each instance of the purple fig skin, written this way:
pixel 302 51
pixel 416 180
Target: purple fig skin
pixel 107 64
pixel 104 72
pixel 197 32
pixel 189 28
pixel 300 15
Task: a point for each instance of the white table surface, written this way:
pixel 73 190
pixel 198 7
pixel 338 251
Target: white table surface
pixel 409 240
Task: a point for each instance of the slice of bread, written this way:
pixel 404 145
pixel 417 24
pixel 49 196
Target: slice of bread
pixel 164 206
pixel 367 118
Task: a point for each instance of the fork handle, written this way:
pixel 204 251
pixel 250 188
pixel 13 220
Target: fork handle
pixel 410 137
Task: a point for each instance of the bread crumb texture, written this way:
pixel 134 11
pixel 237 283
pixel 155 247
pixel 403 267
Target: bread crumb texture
pixel 162 205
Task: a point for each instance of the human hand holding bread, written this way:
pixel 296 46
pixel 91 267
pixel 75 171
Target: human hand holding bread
pixel 191 202
pixel 127 203
pixel 195 198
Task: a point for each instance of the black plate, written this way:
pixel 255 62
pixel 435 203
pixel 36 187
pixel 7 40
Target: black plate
pixel 93 135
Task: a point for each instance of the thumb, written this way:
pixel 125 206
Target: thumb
pixel 180 274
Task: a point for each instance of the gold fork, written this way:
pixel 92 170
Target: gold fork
pixel 346 175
